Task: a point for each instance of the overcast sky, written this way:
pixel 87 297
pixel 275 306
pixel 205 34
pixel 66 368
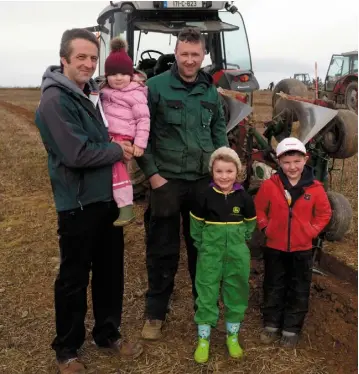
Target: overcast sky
pixel 286 36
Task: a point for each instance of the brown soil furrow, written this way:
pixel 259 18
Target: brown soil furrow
pixel 29 263
pixel 18 110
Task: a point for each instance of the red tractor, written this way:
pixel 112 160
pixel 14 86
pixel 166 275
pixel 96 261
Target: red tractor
pixel 326 132
pixel 341 81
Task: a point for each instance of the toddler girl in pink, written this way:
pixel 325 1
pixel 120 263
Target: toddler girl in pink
pixel 124 102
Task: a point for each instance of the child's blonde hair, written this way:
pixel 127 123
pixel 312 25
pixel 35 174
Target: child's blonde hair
pixel 228 155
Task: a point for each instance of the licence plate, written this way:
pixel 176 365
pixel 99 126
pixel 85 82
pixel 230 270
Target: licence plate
pixel 182 4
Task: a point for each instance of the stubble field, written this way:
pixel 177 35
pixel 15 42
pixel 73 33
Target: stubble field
pixel 29 263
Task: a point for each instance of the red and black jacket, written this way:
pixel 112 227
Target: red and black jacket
pixel 292 226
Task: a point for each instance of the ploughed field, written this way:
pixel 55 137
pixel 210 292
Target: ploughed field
pixel 29 263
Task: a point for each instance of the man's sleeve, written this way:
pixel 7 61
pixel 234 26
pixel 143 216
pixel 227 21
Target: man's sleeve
pixel 250 217
pixel 322 212
pixel 218 125
pixel 68 139
pixel 261 203
pixel 147 162
pixel 197 216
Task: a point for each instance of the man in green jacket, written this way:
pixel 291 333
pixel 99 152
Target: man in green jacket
pixel 80 159
pixel 187 125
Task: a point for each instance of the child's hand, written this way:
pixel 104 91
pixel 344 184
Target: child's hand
pixel 137 151
pixel 127 149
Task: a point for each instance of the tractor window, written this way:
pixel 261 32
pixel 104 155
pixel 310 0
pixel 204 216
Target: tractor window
pixel 354 67
pixel 345 70
pixel 163 43
pixel 336 67
pixel 104 48
pixel 236 43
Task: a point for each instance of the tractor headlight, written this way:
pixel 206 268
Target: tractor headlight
pixel 127 8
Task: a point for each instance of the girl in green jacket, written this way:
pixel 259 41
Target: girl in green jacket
pixel 222 220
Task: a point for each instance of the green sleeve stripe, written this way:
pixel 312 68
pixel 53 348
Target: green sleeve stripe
pixel 250 219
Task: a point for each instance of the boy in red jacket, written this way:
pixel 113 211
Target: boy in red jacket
pixel 292 209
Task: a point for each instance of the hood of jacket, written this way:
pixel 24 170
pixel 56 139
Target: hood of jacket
pixel 53 76
pixel 306 180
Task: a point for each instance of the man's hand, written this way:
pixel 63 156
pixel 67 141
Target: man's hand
pixel 137 151
pixel 157 181
pixel 126 148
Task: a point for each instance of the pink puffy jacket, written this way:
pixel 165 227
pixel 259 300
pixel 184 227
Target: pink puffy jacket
pixel 127 112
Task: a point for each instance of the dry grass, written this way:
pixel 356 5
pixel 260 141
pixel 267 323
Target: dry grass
pixel 29 263
pixel 347 184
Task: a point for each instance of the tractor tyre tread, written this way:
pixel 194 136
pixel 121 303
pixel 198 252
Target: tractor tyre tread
pixel 345 145
pixel 342 215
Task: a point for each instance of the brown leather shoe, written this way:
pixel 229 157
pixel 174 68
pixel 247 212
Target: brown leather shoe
pixel 127 349
pixel 72 366
pixel 152 330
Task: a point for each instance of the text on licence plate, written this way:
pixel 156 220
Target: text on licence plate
pixel 182 4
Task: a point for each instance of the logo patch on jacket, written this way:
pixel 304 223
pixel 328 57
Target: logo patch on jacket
pixel 307 196
pixel 236 209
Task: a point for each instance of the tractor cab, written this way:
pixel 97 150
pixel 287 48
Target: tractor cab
pixel 151 29
pixel 341 81
pixel 304 78
pixel 341 66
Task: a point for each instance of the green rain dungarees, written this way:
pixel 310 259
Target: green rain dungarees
pixel 220 226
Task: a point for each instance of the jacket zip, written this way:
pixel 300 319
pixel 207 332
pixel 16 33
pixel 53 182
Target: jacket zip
pixel 290 215
pixel 225 253
pixel 289 226
pixel 79 189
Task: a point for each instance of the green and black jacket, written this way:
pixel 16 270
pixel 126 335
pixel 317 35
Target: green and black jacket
pixel 222 223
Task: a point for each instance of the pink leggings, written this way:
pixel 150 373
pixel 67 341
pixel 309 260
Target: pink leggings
pixel 121 182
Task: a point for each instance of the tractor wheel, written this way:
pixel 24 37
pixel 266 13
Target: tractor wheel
pixel 341 141
pixel 342 215
pixel 287 115
pixel 226 113
pixel 291 87
pixel 351 96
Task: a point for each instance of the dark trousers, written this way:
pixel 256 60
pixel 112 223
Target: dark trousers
pixel 163 242
pixel 88 241
pixel 286 287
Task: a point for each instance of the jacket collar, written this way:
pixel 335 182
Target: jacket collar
pixel 236 187
pixel 203 80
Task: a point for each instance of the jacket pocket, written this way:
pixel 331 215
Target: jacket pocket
pixel 302 234
pixel 269 229
pixel 164 200
pixel 169 159
pixel 204 130
pixel 173 112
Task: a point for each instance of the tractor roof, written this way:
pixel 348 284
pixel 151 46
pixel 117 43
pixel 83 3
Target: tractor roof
pixel 129 7
pixel 351 53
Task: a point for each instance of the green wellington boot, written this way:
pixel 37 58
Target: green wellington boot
pixel 126 216
pixel 202 351
pixel 233 346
